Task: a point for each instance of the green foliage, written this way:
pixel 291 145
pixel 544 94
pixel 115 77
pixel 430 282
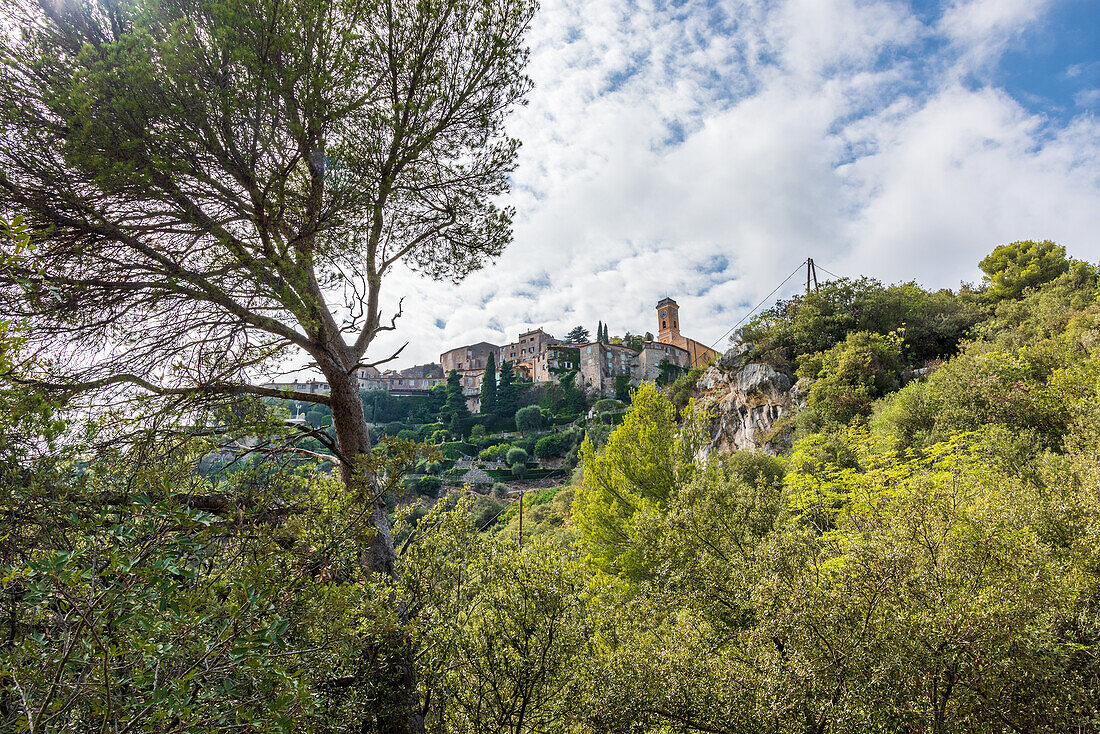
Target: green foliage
pixel 529 419
pixel 379 406
pixel 554 444
pixel 609 404
pixel 1011 269
pixel 1065 304
pixel 629 482
pixel 573 401
pixel 509 650
pixel 495 453
pixel 668 372
pixel 457 450
pixel 545 515
pixel 849 378
pixel 489 387
pixel 931 323
pixel 984 386
pixel 622 388
pixel 454 413
pixel 679 393
pixel 519 469
pixel 425 485
pixel 577 335
pixel 507 395
pixel 516 455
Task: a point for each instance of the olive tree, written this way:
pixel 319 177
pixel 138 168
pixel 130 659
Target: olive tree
pixel 212 185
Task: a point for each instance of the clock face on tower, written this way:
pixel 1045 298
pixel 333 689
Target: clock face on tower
pixel 662 314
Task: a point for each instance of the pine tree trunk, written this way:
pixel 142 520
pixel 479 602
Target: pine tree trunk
pixel 398 708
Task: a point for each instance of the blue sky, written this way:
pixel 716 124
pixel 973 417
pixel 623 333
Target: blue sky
pixel 701 149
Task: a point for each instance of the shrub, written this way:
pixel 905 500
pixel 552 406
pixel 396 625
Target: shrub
pixel 519 470
pixel 477 431
pixel 434 467
pixel 526 443
pixel 1012 268
pixel 554 444
pixel 597 433
pixel 424 485
pixel 679 392
pixel 393 428
pixel 609 404
pixel 458 449
pixel 529 418
pixel 849 377
pixel 429 486
pixel 516 455
pixel 408 434
pixel 495 453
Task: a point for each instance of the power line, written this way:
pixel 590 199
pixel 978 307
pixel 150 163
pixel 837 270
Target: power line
pixel 830 272
pixel 757 306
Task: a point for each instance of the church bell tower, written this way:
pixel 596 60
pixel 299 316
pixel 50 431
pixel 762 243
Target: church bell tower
pixel 668 321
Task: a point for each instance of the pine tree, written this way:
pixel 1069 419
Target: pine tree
pixel 599 332
pixel 507 399
pixel 577 335
pixel 489 386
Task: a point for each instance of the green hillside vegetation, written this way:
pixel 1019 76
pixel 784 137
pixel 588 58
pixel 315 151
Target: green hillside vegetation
pixel 925 558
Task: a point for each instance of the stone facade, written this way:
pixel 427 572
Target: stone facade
pixel 469 357
pixel 554 360
pixel 526 349
pixel 603 365
pixel 471 388
pixel 313 387
pixel 420 377
pixel 653 354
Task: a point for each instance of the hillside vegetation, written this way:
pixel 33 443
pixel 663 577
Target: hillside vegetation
pixel 925 557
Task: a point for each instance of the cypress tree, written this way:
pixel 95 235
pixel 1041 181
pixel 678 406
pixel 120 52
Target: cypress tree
pixel 489 386
pixel 507 400
pixel 454 411
pixel 599 332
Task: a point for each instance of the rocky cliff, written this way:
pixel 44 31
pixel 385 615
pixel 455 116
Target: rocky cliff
pixel 745 399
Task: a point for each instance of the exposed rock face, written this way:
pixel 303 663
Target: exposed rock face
pixel 746 399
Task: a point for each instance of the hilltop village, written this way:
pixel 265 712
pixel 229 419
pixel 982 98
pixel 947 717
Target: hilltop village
pixel 604 367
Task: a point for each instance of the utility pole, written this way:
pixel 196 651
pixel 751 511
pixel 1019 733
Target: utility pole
pixel 519 537
pixel 811 272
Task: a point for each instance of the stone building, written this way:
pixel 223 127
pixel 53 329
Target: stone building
pixel 554 360
pixel 648 362
pixel 313 387
pixel 668 332
pixel 471 388
pixel 604 366
pixel 527 348
pixel 469 357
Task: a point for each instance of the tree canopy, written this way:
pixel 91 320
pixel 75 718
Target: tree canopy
pixel 1012 268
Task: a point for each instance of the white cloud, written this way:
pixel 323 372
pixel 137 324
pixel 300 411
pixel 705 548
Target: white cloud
pixel 982 28
pixel 702 151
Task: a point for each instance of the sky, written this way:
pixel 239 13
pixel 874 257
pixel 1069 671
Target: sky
pixel 703 149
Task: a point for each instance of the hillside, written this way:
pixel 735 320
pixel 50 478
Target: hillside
pixel 879 510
